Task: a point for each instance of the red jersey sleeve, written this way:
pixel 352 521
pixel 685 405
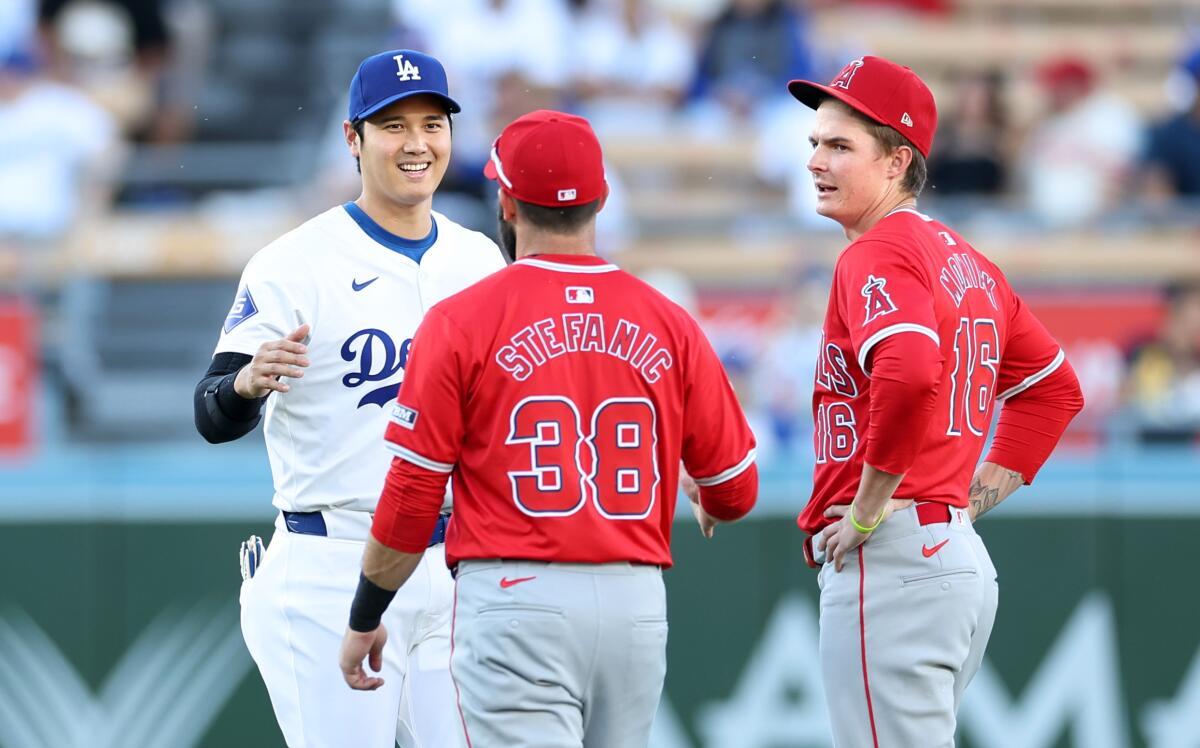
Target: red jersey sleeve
pixel 1030 355
pixel 426 424
pixel 718 445
pixel 879 293
pixel 1040 393
pixel 425 432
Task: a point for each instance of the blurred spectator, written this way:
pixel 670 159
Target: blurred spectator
pixel 54 144
pixel 1172 156
pixel 749 53
pixel 18 20
pixel 120 52
pixel 932 7
pixel 1163 388
pixel 504 58
pixel 631 66
pixel 1074 162
pixel 150 38
pixel 973 150
pixel 786 369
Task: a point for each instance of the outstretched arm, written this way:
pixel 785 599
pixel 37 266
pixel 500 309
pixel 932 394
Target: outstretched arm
pixel 229 399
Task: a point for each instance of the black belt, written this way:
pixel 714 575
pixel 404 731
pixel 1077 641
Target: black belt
pixel 313 523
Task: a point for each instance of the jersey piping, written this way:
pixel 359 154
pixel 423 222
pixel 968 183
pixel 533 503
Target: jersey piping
pixel 559 267
pixel 888 332
pixel 408 455
pixel 729 474
pixel 916 213
pixel 1033 379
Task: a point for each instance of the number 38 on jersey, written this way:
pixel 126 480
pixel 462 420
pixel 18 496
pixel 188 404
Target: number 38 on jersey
pixel 607 457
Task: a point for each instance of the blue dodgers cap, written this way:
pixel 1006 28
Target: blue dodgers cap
pixel 388 77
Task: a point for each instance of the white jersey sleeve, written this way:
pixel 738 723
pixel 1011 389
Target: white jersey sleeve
pixel 270 303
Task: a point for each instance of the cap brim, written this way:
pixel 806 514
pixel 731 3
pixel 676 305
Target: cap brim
pixel 811 94
pixel 451 105
pixel 489 171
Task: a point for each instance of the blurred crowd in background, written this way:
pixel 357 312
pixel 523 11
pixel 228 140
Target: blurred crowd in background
pixel 132 118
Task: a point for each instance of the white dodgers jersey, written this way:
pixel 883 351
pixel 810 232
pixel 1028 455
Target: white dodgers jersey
pixel 363 296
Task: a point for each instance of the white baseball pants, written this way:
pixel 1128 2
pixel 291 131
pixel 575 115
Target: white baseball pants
pixel 294 614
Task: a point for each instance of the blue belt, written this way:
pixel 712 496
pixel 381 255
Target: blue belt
pixel 312 523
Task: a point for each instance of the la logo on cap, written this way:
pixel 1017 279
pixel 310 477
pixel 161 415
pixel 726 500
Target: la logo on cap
pixel 847 74
pixel 406 70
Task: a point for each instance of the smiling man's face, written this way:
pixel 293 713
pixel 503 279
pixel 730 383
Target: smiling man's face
pixel 404 150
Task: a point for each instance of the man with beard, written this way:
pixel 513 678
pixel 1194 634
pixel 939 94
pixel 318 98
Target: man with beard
pixel 562 394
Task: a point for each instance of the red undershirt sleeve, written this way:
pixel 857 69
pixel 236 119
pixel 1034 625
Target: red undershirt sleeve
pixel 731 499
pixel 1033 420
pixel 905 370
pixel 409 506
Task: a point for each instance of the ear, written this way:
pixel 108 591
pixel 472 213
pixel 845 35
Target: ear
pixel 603 198
pixel 899 161
pixel 351 138
pixel 508 206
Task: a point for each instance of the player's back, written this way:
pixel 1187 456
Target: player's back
pixel 977 314
pixel 581 387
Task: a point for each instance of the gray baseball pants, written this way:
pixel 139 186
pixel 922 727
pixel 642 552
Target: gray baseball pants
pixel 904 626
pixel 556 655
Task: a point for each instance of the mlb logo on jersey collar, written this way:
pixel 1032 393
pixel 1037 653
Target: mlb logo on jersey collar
pixel 580 295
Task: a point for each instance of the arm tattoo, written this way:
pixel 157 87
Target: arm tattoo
pixel 983 498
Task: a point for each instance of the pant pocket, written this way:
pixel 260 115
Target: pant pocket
pixel 939 575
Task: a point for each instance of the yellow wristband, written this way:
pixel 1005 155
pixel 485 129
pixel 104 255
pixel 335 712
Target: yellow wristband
pixel 860 528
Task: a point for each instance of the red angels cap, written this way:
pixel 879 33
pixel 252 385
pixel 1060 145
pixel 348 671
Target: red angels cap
pixel 548 158
pixel 888 93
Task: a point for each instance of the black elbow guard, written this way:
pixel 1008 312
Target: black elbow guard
pixel 221 414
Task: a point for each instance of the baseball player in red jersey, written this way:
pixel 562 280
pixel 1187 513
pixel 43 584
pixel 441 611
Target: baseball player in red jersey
pixel 562 394
pixel 923 335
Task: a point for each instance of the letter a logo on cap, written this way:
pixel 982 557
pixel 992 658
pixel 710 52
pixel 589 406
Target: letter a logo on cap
pixel 843 78
pixel 406 70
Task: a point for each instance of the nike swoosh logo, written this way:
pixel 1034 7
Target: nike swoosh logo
pixel 505 582
pixel 928 552
pixel 360 286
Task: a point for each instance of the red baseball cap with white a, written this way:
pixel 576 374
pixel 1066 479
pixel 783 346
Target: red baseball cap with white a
pixel 888 93
pixel 548 158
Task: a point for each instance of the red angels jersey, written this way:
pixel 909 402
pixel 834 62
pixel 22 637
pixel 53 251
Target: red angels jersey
pixel 561 395
pixel 909 275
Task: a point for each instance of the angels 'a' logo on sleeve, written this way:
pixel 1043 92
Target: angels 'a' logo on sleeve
pixel 879 302
pixel 243 309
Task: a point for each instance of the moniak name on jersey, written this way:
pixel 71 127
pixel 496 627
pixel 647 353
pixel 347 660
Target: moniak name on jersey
pixel 961 274
pixel 552 337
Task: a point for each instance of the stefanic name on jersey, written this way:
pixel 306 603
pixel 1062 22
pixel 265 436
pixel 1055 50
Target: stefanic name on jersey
pixel 574 332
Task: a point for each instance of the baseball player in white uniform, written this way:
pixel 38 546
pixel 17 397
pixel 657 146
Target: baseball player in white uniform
pixel 320 333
